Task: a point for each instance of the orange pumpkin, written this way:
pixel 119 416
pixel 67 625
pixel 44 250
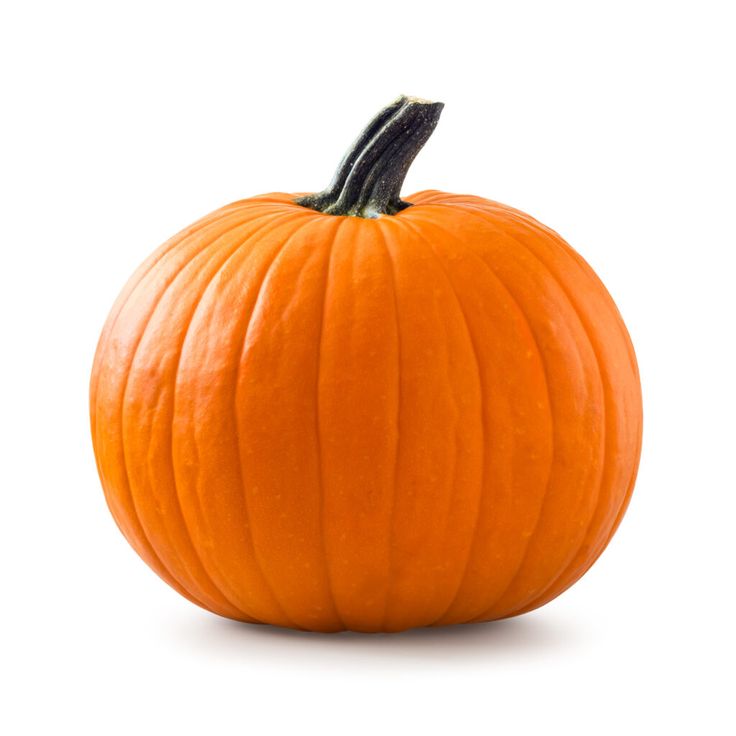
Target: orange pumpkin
pixel 350 411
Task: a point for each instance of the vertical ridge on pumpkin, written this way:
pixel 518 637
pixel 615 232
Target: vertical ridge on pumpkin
pixel 501 605
pixel 219 233
pixel 593 556
pixel 275 413
pixel 591 327
pixel 583 268
pixel 481 410
pixel 540 355
pixel 392 511
pixel 599 530
pixel 276 222
pixel 261 290
pixel 186 534
pixel 440 461
pixel 128 289
pixel 317 428
pixel 498 606
pixel 545 493
pixel 274 219
pixel 596 503
pixel 606 300
pixel 208 357
pixel 358 405
pixel 185 558
pixel 140 536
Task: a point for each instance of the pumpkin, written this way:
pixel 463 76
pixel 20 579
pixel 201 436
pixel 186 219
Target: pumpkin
pixel 351 411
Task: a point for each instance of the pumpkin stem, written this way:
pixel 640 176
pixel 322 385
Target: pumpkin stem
pixel 368 180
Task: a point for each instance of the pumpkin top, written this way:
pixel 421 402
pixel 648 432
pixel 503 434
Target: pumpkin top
pixel 368 180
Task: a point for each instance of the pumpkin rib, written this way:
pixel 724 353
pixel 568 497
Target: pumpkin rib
pixel 276 220
pixel 239 464
pixel 606 529
pixel 549 234
pixel 392 507
pixel 544 503
pixel 134 507
pixel 545 495
pixel 426 525
pixel 600 546
pixel 586 270
pixel 630 487
pixel 228 605
pixel 583 266
pixel 543 364
pixel 138 533
pixel 358 412
pixel 185 445
pixel 600 376
pixel 619 516
pixel 187 533
pixel 597 504
pixel 318 438
pixel 484 431
pixel 597 363
pixel 589 563
pixel 145 270
pixel 133 283
pixel 627 497
pixel 605 409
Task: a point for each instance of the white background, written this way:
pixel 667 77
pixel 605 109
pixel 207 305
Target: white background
pixel 611 122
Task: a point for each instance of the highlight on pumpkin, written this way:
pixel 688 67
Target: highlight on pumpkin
pixel 353 411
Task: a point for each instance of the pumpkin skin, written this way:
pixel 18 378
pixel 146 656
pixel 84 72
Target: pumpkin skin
pixel 329 422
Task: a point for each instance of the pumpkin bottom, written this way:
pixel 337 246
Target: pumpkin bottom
pixel 390 605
